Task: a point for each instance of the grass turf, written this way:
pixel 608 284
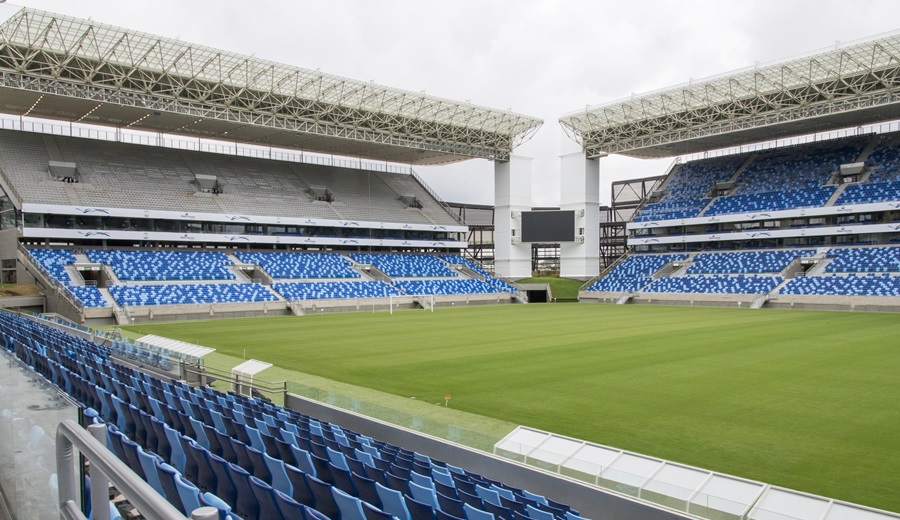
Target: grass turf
pixel 806 400
pixel 562 288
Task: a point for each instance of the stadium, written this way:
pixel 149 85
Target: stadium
pixel 232 295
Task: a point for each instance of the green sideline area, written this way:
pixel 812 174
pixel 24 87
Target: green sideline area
pixel 801 399
pixel 561 288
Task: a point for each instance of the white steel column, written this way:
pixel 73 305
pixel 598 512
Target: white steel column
pixel 580 192
pixel 512 196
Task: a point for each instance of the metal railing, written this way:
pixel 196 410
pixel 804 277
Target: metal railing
pixel 436 197
pixel 106 468
pixel 57 285
pixel 11 190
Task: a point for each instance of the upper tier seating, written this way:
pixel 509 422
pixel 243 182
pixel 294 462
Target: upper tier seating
pixel 883 183
pixel 776 179
pixel 687 187
pixel 334 290
pixel 179 294
pixel 787 178
pixel 634 272
pixel 120 175
pixel 164 265
pixel 54 261
pixel 406 266
pixel 870 192
pixel 716 284
pixel 850 285
pixel 249 457
pixel 301 265
pixel 771 201
pixel 864 260
pixel 438 287
pixel 745 262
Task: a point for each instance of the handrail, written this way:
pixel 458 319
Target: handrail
pixel 10 189
pixel 436 197
pixel 606 271
pixel 105 468
pixel 60 287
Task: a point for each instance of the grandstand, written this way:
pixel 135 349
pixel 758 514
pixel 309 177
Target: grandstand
pixel 789 217
pixel 123 229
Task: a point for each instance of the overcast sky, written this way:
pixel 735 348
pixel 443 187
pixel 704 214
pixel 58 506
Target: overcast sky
pixel 543 58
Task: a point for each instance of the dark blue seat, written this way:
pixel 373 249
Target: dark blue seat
pixel 397 483
pixel 131 457
pixel 163 448
pixel 227 448
pixel 285 453
pixel 323 471
pixel 265 496
pixel 512 505
pixel 467 498
pixel 418 510
pixel 245 503
pixel 321 491
pixel 450 505
pixel 444 489
pixel 440 515
pixel 299 488
pixel 499 512
pixel 260 470
pixel 206 477
pixel 224 486
pixel 167 475
pixel 289 507
pixel 191 465
pixel 365 489
pixel 342 480
pixel 373 513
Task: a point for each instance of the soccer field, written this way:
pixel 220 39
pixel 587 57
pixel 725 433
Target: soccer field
pixel 806 400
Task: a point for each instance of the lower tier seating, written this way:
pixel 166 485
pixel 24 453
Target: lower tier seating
pixel 864 260
pixel 54 261
pixel 716 284
pixel 850 285
pixel 334 290
pixel 620 283
pixel 438 287
pixel 179 294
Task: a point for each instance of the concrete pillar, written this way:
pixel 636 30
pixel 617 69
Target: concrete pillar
pixel 512 196
pixel 580 192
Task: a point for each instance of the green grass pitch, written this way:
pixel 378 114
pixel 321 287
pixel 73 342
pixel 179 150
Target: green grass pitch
pixel 806 400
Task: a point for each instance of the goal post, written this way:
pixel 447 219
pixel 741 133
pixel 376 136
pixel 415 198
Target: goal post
pixel 424 300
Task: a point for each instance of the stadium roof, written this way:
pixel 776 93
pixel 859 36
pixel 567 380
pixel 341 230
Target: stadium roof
pixel 847 86
pixel 65 68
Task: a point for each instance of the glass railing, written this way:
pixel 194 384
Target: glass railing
pixel 30 409
pixel 426 425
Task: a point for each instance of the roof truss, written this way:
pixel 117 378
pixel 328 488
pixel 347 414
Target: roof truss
pixel 67 56
pixel 862 76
